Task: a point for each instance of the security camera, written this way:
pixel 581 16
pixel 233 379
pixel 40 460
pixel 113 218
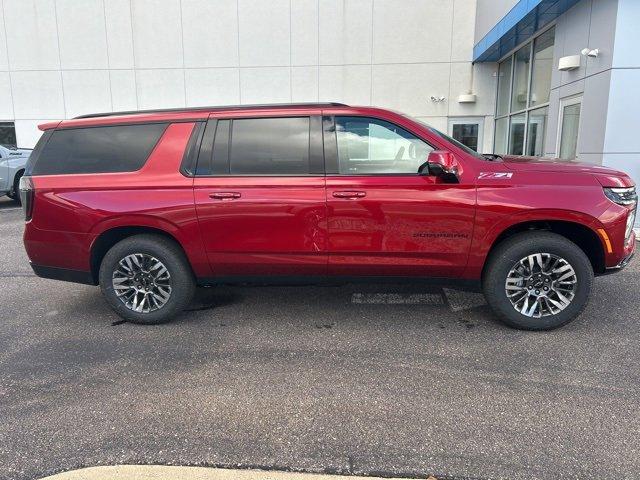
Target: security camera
pixel 587 52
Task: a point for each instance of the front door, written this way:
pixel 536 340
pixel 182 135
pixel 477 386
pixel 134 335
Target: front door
pixel 260 196
pixel 384 218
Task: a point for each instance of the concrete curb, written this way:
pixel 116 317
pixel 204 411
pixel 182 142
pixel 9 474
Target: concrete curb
pixel 161 472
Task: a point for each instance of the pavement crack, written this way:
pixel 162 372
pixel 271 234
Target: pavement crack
pixel 16 274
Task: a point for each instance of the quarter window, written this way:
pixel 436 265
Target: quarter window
pixel 269 146
pixel 123 148
pixel 369 146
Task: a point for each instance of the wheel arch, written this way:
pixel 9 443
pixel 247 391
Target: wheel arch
pixel 583 235
pixel 109 237
pixel 13 187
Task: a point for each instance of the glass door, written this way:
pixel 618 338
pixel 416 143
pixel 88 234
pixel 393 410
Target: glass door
pixel 569 128
pixel 468 131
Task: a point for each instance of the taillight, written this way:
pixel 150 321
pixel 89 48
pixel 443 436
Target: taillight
pixel 26 196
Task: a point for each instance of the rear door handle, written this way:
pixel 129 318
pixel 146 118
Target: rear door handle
pixel 225 195
pixel 350 194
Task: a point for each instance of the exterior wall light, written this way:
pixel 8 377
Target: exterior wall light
pixel 569 63
pixel 467 98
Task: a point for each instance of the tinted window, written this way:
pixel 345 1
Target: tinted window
pixel 98 149
pixel 269 146
pixel 371 146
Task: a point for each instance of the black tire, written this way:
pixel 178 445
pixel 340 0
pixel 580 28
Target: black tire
pixel 506 255
pixel 14 194
pixel 175 261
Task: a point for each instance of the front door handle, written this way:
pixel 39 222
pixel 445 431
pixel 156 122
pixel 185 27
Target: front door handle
pixel 225 195
pixel 350 194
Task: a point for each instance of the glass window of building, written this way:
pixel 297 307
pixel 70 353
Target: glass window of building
pixel 524 84
pixel 569 123
pixel 536 131
pixel 8 134
pixel 504 84
pixel 520 88
pixel 542 68
pixel 516 134
pixel 502 128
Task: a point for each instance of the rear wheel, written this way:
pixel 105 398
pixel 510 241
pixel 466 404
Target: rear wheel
pixel 146 279
pixel 537 281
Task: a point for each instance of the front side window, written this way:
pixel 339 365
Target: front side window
pixel 368 146
pixel 122 148
pixel 269 146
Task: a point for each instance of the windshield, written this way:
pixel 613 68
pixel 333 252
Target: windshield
pixel 458 144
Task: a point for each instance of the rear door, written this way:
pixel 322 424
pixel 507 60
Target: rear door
pixel 260 196
pixel 384 218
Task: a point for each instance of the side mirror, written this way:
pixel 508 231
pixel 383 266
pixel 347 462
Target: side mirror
pixel 442 164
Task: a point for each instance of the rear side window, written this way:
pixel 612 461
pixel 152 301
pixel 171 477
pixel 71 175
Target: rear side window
pixel 269 146
pixel 120 148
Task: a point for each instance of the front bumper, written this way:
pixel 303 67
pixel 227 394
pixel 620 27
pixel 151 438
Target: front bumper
pixel 625 261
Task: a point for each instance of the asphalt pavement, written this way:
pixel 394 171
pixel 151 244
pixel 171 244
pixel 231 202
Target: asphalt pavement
pixel 371 380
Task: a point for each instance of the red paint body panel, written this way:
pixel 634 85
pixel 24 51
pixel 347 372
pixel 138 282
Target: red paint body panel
pixel 277 225
pixel 404 225
pixel 73 210
pixel 268 225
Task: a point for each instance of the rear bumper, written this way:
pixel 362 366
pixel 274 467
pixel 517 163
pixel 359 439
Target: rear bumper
pixel 64 274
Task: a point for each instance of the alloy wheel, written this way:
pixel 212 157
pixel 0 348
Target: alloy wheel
pixel 541 284
pixel 142 283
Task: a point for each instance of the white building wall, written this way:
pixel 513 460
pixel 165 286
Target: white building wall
pixel 621 140
pixel 590 23
pixel 490 12
pixel 63 58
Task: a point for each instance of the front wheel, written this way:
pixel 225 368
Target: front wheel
pixel 146 279
pixel 537 281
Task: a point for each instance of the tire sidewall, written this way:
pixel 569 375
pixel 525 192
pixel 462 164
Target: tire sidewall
pixel 15 193
pixel 505 260
pixel 182 283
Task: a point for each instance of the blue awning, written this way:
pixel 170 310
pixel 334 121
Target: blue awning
pixel 517 26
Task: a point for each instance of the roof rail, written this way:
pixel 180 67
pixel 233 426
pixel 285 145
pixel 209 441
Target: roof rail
pixel 217 108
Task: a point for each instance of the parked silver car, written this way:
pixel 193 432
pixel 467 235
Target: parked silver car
pixel 12 165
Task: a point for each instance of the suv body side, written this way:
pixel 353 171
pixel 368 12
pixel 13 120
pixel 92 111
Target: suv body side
pixel 283 225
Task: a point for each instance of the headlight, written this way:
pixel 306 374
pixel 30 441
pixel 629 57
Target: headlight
pixel 631 218
pixel 622 196
pixel 627 197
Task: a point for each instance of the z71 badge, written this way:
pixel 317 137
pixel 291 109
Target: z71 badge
pixel 495 175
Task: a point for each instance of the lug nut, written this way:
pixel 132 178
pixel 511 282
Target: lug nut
pixel 537 292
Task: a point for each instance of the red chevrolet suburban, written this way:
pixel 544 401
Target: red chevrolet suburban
pixel 150 204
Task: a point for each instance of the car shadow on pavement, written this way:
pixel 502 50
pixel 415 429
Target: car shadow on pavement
pixel 8 204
